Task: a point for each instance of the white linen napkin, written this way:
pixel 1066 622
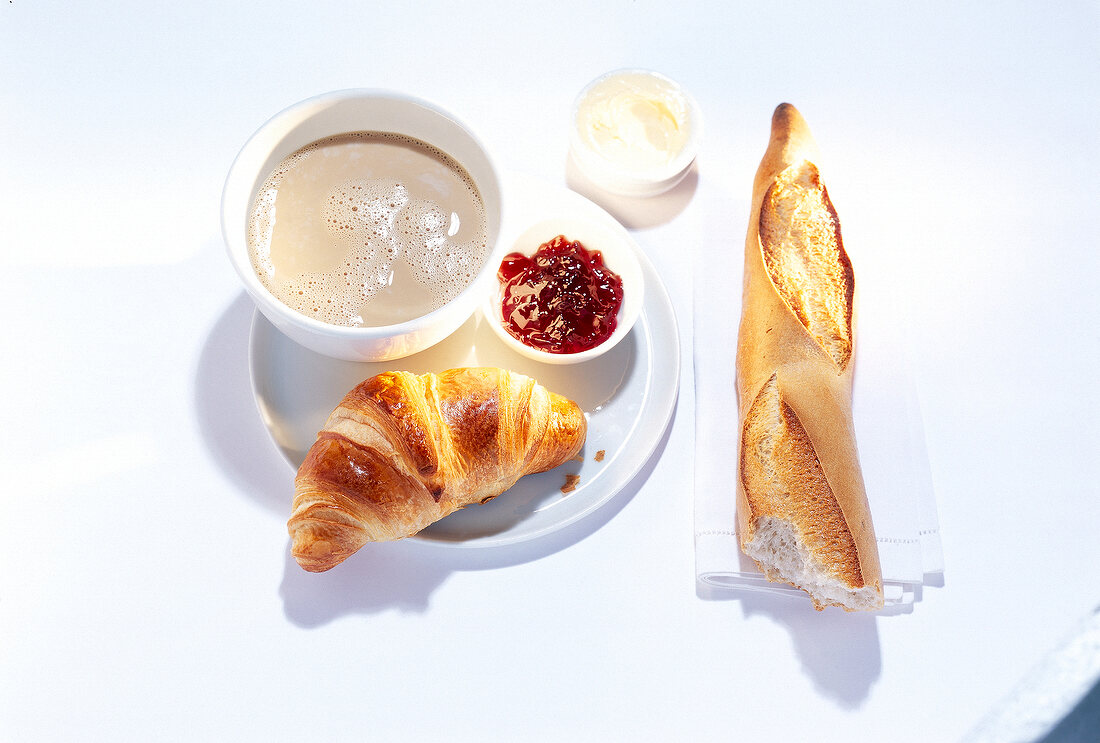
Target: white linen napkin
pixel 889 435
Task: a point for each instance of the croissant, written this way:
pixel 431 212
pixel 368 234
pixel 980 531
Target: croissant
pixel 402 451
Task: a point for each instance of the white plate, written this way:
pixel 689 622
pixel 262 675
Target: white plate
pixel 628 395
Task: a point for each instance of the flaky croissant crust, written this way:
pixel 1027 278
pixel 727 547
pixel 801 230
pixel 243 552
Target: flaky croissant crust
pixel 402 451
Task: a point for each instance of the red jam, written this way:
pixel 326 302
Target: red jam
pixel 562 299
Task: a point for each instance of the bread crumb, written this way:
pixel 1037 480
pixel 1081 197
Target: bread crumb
pixel 599 455
pixel 570 484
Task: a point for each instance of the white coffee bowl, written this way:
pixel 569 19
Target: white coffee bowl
pixel 622 177
pixel 338 113
pixel 618 252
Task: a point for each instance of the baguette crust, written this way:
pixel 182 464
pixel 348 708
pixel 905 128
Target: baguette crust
pixel 802 507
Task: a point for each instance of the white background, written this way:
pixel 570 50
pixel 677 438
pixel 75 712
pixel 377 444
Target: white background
pixel 145 588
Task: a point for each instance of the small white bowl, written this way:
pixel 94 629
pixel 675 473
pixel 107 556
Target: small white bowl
pixel 618 252
pixel 613 97
pixel 338 113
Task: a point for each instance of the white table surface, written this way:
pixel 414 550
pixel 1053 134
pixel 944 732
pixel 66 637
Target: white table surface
pixel 145 587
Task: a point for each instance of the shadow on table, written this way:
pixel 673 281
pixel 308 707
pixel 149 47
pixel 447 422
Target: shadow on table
pixel 840 651
pixel 635 213
pixel 228 417
pixel 394 575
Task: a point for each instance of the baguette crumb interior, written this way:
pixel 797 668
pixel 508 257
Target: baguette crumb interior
pixel 784 558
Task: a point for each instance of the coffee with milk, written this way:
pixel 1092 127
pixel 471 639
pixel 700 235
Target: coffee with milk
pixel 367 229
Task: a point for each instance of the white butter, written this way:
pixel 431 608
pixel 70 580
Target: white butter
pixel 635 120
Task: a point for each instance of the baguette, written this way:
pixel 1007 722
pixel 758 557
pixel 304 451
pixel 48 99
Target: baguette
pixel 802 507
